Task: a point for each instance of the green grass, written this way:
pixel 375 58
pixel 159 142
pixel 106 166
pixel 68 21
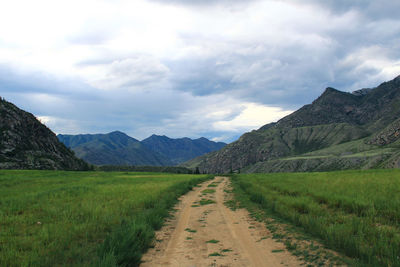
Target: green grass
pixel 306 157
pixel 208 191
pixel 212 241
pixel 215 254
pixel 204 201
pixel 190 230
pixel 371 153
pixel 355 146
pixel 54 218
pixel 355 212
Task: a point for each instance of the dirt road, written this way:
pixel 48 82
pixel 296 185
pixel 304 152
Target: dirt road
pixel 205 232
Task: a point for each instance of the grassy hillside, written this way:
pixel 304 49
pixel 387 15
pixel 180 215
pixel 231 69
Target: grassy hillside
pixel 50 218
pixel 274 143
pixel 356 212
pixel 331 120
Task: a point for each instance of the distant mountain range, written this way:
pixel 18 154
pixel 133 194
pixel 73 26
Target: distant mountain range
pixel 114 148
pixel 181 149
pixel 338 130
pixel 25 143
pixel 117 148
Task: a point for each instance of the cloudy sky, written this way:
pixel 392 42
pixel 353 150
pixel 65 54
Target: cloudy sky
pixel 213 68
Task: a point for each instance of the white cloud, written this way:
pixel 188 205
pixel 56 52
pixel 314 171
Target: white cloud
pixel 62 125
pixel 223 116
pixel 252 117
pixel 374 60
pixel 138 72
pixel 44 119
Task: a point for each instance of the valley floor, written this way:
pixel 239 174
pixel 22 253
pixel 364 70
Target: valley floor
pixel 205 232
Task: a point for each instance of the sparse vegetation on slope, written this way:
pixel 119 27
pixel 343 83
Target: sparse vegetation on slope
pixel 356 212
pixel 50 218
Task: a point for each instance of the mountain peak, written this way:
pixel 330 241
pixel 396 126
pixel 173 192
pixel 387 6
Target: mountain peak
pixel 118 133
pixel 157 137
pixel 333 95
pixel 121 136
pixel 330 89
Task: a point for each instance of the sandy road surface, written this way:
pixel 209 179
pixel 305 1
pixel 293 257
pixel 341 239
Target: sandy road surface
pixel 213 235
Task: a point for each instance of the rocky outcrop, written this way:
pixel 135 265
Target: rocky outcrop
pixel 362 92
pixel 25 143
pixel 389 135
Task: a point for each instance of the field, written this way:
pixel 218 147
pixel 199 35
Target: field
pixel 354 212
pixel 59 218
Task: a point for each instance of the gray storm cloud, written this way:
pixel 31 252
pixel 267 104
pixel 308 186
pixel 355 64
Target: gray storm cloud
pixel 171 67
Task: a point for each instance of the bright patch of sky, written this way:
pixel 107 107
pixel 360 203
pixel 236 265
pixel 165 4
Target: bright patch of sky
pixel 212 68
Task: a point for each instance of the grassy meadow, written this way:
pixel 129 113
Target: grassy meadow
pixel 58 218
pixel 355 212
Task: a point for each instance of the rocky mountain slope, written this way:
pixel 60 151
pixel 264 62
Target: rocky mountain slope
pixel 315 136
pixel 115 148
pixel 25 143
pixel 181 149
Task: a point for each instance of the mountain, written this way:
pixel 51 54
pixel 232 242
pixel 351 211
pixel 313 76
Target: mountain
pixel 338 130
pixel 181 149
pixel 115 148
pixel 26 143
